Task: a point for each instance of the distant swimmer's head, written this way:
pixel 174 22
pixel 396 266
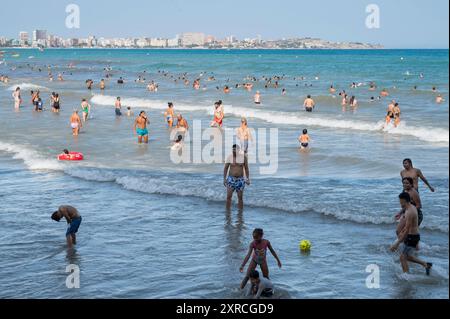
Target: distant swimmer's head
pixel 128 108
pixel 66 151
pixel 180 117
pixel 83 100
pixel 170 104
pixel 258 234
pixel 142 113
pixel 56 216
pixel 118 98
pixel 309 96
pixel 244 121
pixel 236 149
pixel 408 183
pixel 405 199
pixel 18 89
pixel 407 163
pixel 179 139
pixel 305 131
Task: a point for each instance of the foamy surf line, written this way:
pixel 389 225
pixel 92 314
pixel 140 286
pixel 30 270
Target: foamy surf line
pixel 32 159
pixel 181 188
pixel 28 86
pixel 433 135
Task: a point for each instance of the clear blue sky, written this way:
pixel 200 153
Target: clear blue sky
pixel 404 23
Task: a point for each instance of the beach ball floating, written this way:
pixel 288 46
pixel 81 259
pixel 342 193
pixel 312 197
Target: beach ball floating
pixel 305 245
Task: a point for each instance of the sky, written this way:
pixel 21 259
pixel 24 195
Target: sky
pixel 403 23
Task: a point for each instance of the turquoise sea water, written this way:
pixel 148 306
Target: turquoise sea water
pixel 155 229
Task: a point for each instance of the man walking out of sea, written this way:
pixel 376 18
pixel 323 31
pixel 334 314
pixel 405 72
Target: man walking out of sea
pixel 235 176
pixel 415 174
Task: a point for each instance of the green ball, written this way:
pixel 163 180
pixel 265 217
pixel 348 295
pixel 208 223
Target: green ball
pixel 305 245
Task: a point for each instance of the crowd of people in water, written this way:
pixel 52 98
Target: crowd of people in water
pixel 236 171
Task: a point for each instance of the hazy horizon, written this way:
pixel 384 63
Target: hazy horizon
pixel 325 19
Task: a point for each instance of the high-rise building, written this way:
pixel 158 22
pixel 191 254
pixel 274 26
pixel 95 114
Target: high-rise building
pixel 39 35
pixel 192 39
pixel 24 38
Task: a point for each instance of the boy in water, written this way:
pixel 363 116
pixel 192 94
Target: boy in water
pixel 73 218
pixel 261 287
pixel 258 248
pixel 304 140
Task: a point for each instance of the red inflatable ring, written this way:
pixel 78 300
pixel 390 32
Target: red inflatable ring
pixel 72 156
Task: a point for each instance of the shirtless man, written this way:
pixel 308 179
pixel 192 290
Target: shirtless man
pixel 102 85
pixel 170 115
pixel 409 236
pixel 309 104
pixel 415 174
pixel 244 135
pixel 235 176
pixel 140 127
pixel 75 123
pixel 439 99
pixel 332 90
pixel 182 124
pixel 73 218
pixel 118 107
pixel 257 98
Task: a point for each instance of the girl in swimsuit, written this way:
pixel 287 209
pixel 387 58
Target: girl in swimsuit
pixel 258 252
pixel 170 114
pixel 218 117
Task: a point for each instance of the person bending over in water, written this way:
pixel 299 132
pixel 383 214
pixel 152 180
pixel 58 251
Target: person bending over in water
pixel 258 253
pixel 140 127
pixel 309 104
pixel 75 123
pixel 304 140
pixel 415 174
pixel 86 108
pixel 170 115
pixel 409 236
pixel 73 218
pixel 235 176
pixel 260 287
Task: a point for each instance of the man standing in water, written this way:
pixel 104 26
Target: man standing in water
pixel 244 135
pixel 409 236
pixel 235 176
pixel 140 127
pixel 75 123
pixel 309 104
pixel 118 106
pixel 73 218
pixel 415 174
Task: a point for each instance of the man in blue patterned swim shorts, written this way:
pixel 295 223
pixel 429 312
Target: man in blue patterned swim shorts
pixel 235 176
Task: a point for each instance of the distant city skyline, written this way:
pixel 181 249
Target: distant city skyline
pixel 342 21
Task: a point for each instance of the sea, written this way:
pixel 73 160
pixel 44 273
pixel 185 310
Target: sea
pixel 154 227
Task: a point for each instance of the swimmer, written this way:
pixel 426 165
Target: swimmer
pixel 17 98
pixel 244 135
pixel 384 93
pixel 353 102
pixel 178 144
pixel 140 127
pixel 415 174
pixel 74 220
pixel 257 98
pixel 86 109
pixel 226 90
pixel 75 123
pixel 304 140
pixel 332 90
pixel 169 115
pixel 257 251
pixel 309 104
pixel 260 287
pixel 129 112
pixel 397 113
pixel 439 99
pixel 102 85
pixel 118 107
pixel 182 124
pixel 235 176
pixel 409 236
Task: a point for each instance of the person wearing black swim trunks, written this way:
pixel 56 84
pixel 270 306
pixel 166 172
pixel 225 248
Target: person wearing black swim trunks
pixel 309 104
pixel 409 236
pixel 56 103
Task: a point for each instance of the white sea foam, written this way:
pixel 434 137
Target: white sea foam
pixel 28 86
pixel 32 159
pixel 433 135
